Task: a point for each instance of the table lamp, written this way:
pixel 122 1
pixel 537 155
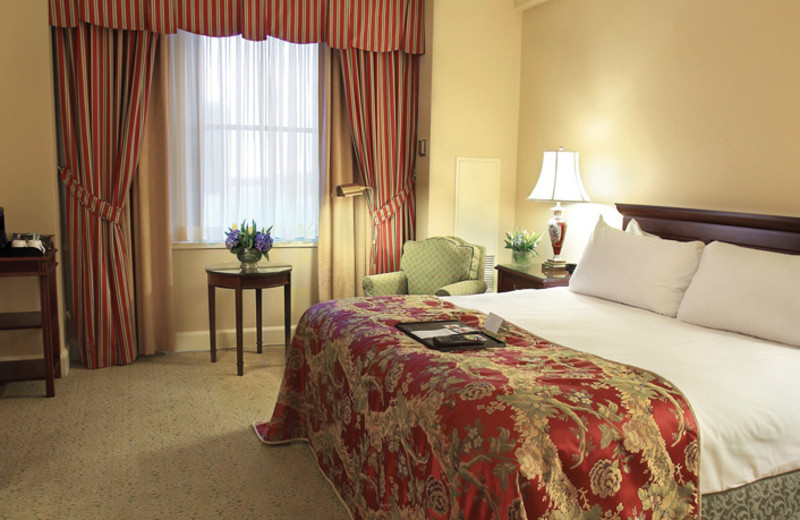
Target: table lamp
pixel 559 181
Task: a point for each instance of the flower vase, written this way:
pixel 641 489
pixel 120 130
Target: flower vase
pixel 521 257
pixel 249 257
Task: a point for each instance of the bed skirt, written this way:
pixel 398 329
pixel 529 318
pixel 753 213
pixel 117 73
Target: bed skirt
pixel 775 497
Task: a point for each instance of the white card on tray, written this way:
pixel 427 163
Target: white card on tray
pixel 493 322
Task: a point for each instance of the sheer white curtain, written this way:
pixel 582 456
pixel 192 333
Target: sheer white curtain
pixel 243 136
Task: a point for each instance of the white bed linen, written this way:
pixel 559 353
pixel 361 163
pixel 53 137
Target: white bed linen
pixel 744 391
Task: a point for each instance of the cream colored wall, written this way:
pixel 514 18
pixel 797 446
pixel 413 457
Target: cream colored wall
pixel 424 126
pixel 28 181
pixel 474 58
pixel 678 103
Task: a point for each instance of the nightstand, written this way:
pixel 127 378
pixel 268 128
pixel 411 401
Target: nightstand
pixel 511 277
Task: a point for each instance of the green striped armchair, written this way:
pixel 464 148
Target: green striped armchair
pixel 444 266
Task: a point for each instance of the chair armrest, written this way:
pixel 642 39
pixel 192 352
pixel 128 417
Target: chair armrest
pixel 463 287
pixel 386 283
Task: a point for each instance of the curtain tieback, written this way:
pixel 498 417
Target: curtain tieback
pixel 87 199
pixel 388 210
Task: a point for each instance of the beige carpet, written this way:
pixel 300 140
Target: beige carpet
pixel 168 437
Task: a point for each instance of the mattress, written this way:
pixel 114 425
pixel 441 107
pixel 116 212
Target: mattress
pixel 743 390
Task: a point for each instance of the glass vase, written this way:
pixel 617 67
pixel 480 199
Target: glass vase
pixel 249 257
pixel 522 257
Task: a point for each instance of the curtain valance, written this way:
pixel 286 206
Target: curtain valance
pixel 370 25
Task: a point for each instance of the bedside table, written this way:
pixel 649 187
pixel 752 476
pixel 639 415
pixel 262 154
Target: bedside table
pixel 511 277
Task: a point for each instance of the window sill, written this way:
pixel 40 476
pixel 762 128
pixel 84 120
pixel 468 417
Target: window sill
pixel 220 245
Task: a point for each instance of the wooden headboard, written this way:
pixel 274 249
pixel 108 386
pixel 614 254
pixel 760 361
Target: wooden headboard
pixel 774 233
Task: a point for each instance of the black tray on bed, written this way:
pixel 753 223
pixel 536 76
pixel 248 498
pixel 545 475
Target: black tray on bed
pixel 426 331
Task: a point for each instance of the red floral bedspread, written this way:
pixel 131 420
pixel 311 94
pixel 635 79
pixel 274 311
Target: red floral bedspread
pixel 532 430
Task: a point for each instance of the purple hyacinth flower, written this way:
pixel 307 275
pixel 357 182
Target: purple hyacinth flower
pixel 263 242
pixel 233 239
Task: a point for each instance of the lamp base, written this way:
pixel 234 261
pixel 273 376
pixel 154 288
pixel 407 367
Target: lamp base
pixel 554 264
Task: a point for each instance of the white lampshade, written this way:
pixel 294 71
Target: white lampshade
pixel 560 178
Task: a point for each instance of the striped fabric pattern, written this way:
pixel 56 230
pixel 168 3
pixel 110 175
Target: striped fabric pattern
pixel 102 88
pixel 382 98
pixel 371 25
pixel 296 21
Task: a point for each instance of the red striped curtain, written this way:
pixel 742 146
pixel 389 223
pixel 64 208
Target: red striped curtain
pixel 102 82
pixel 372 25
pixel 382 98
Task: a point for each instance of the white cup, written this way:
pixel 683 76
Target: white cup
pixel 19 243
pixel 37 244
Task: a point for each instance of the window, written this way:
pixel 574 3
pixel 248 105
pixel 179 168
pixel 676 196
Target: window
pixel 243 136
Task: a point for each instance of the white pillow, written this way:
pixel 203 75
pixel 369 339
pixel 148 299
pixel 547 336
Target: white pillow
pixel 642 271
pixel 746 290
pixel 636 229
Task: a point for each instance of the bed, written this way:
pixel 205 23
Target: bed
pixel 574 418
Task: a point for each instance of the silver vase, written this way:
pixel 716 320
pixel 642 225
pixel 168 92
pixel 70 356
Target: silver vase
pixel 249 257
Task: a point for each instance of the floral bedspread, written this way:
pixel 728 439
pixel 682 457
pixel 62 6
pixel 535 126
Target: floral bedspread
pixel 532 430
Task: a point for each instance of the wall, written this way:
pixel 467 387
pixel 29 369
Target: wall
pixel 676 103
pixel 422 184
pixel 473 77
pixel 28 181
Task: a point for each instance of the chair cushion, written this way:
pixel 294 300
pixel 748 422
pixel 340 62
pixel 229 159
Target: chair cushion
pixel 476 266
pixel 435 262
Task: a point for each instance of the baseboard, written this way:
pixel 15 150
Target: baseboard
pixel 20 358
pixel 189 342
pixel 226 338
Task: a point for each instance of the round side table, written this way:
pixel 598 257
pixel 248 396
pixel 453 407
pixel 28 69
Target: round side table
pixel 231 276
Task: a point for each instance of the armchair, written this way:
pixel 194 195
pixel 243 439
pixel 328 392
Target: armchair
pixel 444 266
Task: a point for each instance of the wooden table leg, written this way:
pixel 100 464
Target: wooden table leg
pixel 212 323
pixel 53 327
pixel 287 311
pixel 47 333
pixel 258 321
pixel 239 345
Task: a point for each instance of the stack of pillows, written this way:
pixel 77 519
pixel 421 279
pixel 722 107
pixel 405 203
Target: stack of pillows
pixel 719 285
